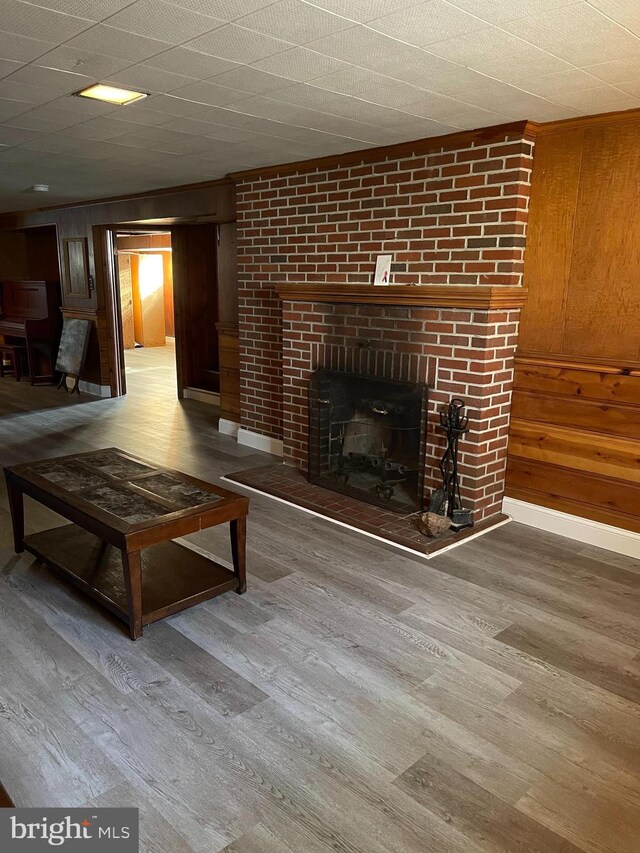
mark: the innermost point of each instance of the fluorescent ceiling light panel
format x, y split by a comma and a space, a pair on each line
111, 94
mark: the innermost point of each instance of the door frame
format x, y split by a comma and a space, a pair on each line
104, 237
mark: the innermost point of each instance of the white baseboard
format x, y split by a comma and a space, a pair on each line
95, 389
260, 442
228, 427
581, 529
212, 398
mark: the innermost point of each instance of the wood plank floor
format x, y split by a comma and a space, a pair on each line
354, 699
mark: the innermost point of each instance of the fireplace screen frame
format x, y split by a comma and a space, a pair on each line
393, 483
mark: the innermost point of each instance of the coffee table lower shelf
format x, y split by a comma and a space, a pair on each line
173, 577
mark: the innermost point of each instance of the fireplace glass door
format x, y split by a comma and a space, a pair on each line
366, 438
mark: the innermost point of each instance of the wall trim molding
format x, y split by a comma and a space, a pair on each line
260, 442
211, 398
572, 526
227, 427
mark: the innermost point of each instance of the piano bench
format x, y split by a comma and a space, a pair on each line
15, 354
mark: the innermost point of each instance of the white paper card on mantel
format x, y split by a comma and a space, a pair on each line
383, 270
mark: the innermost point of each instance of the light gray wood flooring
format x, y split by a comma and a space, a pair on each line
354, 699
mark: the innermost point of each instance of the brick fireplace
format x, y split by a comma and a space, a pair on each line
452, 211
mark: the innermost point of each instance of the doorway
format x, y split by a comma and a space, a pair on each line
147, 321
180, 286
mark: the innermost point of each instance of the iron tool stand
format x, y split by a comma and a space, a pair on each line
455, 424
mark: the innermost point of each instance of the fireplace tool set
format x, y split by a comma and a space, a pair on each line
446, 501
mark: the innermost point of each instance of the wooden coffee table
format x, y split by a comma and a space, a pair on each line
126, 511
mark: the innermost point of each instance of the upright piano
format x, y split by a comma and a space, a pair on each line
30, 314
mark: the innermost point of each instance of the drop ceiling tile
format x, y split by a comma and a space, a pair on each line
426, 23
20, 48
112, 42
23, 92
497, 11
8, 66
363, 10
146, 79
238, 44
592, 37
93, 10
52, 144
437, 107
631, 87
209, 93
300, 64
470, 117
599, 99
616, 71
137, 114
530, 62
85, 62
162, 21
190, 63
624, 12
99, 128
11, 154
171, 143
10, 108
294, 21
53, 81
43, 120
481, 46
228, 10
171, 105
246, 78
358, 45
352, 81
15, 135
35, 22
561, 83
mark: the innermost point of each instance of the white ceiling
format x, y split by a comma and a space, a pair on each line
241, 83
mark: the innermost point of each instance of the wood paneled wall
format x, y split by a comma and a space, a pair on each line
575, 434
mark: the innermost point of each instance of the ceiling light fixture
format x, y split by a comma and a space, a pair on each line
111, 94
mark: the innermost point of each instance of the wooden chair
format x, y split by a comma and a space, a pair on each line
15, 354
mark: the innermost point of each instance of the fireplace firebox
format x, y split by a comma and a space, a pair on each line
366, 438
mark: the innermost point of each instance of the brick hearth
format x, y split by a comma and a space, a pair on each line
452, 212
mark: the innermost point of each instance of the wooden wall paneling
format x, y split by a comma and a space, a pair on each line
13, 256
228, 335
43, 260
606, 383
227, 273
603, 299
196, 303
126, 299
606, 499
581, 450
77, 278
619, 419
554, 189
169, 321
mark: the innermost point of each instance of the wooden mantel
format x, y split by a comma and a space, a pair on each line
424, 296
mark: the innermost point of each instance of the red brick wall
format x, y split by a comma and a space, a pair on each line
455, 215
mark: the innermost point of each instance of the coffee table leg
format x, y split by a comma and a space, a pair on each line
239, 550
133, 584
16, 505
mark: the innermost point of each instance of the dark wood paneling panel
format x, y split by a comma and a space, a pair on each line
554, 189
577, 490
595, 382
575, 413
602, 315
